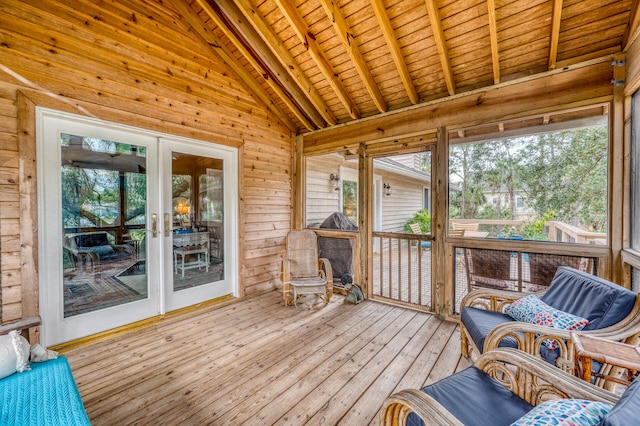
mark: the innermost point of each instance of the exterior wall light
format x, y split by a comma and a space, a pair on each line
387, 189
335, 181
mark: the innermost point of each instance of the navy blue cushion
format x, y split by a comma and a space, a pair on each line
602, 302
626, 410
92, 240
104, 251
479, 322
474, 398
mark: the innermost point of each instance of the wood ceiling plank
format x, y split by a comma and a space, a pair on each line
493, 32
576, 47
517, 8
585, 14
301, 30
514, 41
351, 45
510, 20
394, 48
285, 57
594, 31
459, 20
438, 34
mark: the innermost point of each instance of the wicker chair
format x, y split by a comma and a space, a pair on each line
543, 267
302, 272
415, 228
613, 312
474, 226
487, 268
502, 386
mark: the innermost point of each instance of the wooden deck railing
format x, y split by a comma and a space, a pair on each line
402, 270
563, 232
557, 231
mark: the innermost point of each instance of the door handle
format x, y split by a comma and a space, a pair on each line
167, 225
154, 226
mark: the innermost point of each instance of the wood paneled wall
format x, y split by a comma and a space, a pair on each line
133, 63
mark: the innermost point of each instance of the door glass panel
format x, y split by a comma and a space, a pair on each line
197, 207
104, 193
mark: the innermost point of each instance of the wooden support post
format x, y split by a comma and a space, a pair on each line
441, 303
365, 174
28, 209
298, 220
616, 177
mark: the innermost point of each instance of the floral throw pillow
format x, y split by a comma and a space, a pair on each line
565, 412
532, 310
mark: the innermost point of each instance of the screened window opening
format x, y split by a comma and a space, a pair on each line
331, 187
635, 172
547, 184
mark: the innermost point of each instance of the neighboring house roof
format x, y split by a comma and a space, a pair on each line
392, 166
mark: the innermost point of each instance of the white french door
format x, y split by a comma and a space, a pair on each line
132, 224
198, 184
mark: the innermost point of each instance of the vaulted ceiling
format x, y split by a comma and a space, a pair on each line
318, 63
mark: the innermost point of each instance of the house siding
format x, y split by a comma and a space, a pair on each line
322, 200
131, 63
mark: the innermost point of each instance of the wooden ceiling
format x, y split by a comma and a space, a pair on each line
318, 63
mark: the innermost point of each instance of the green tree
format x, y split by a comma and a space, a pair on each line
350, 199
566, 173
467, 166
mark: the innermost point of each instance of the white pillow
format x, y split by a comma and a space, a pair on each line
14, 354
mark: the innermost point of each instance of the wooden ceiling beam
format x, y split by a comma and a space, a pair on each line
562, 89
257, 46
219, 19
556, 19
193, 24
398, 59
493, 33
542, 127
353, 50
438, 34
282, 54
290, 13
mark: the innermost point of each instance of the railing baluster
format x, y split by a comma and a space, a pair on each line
381, 263
390, 269
419, 252
399, 264
409, 273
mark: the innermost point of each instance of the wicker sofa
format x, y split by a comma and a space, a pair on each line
88, 249
612, 311
504, 386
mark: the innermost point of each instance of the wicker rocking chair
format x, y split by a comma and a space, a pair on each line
302, 273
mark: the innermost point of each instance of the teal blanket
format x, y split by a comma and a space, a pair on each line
46, 395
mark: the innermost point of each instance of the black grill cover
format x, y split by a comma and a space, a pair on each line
339, 251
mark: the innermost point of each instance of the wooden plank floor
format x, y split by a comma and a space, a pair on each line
258, 362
